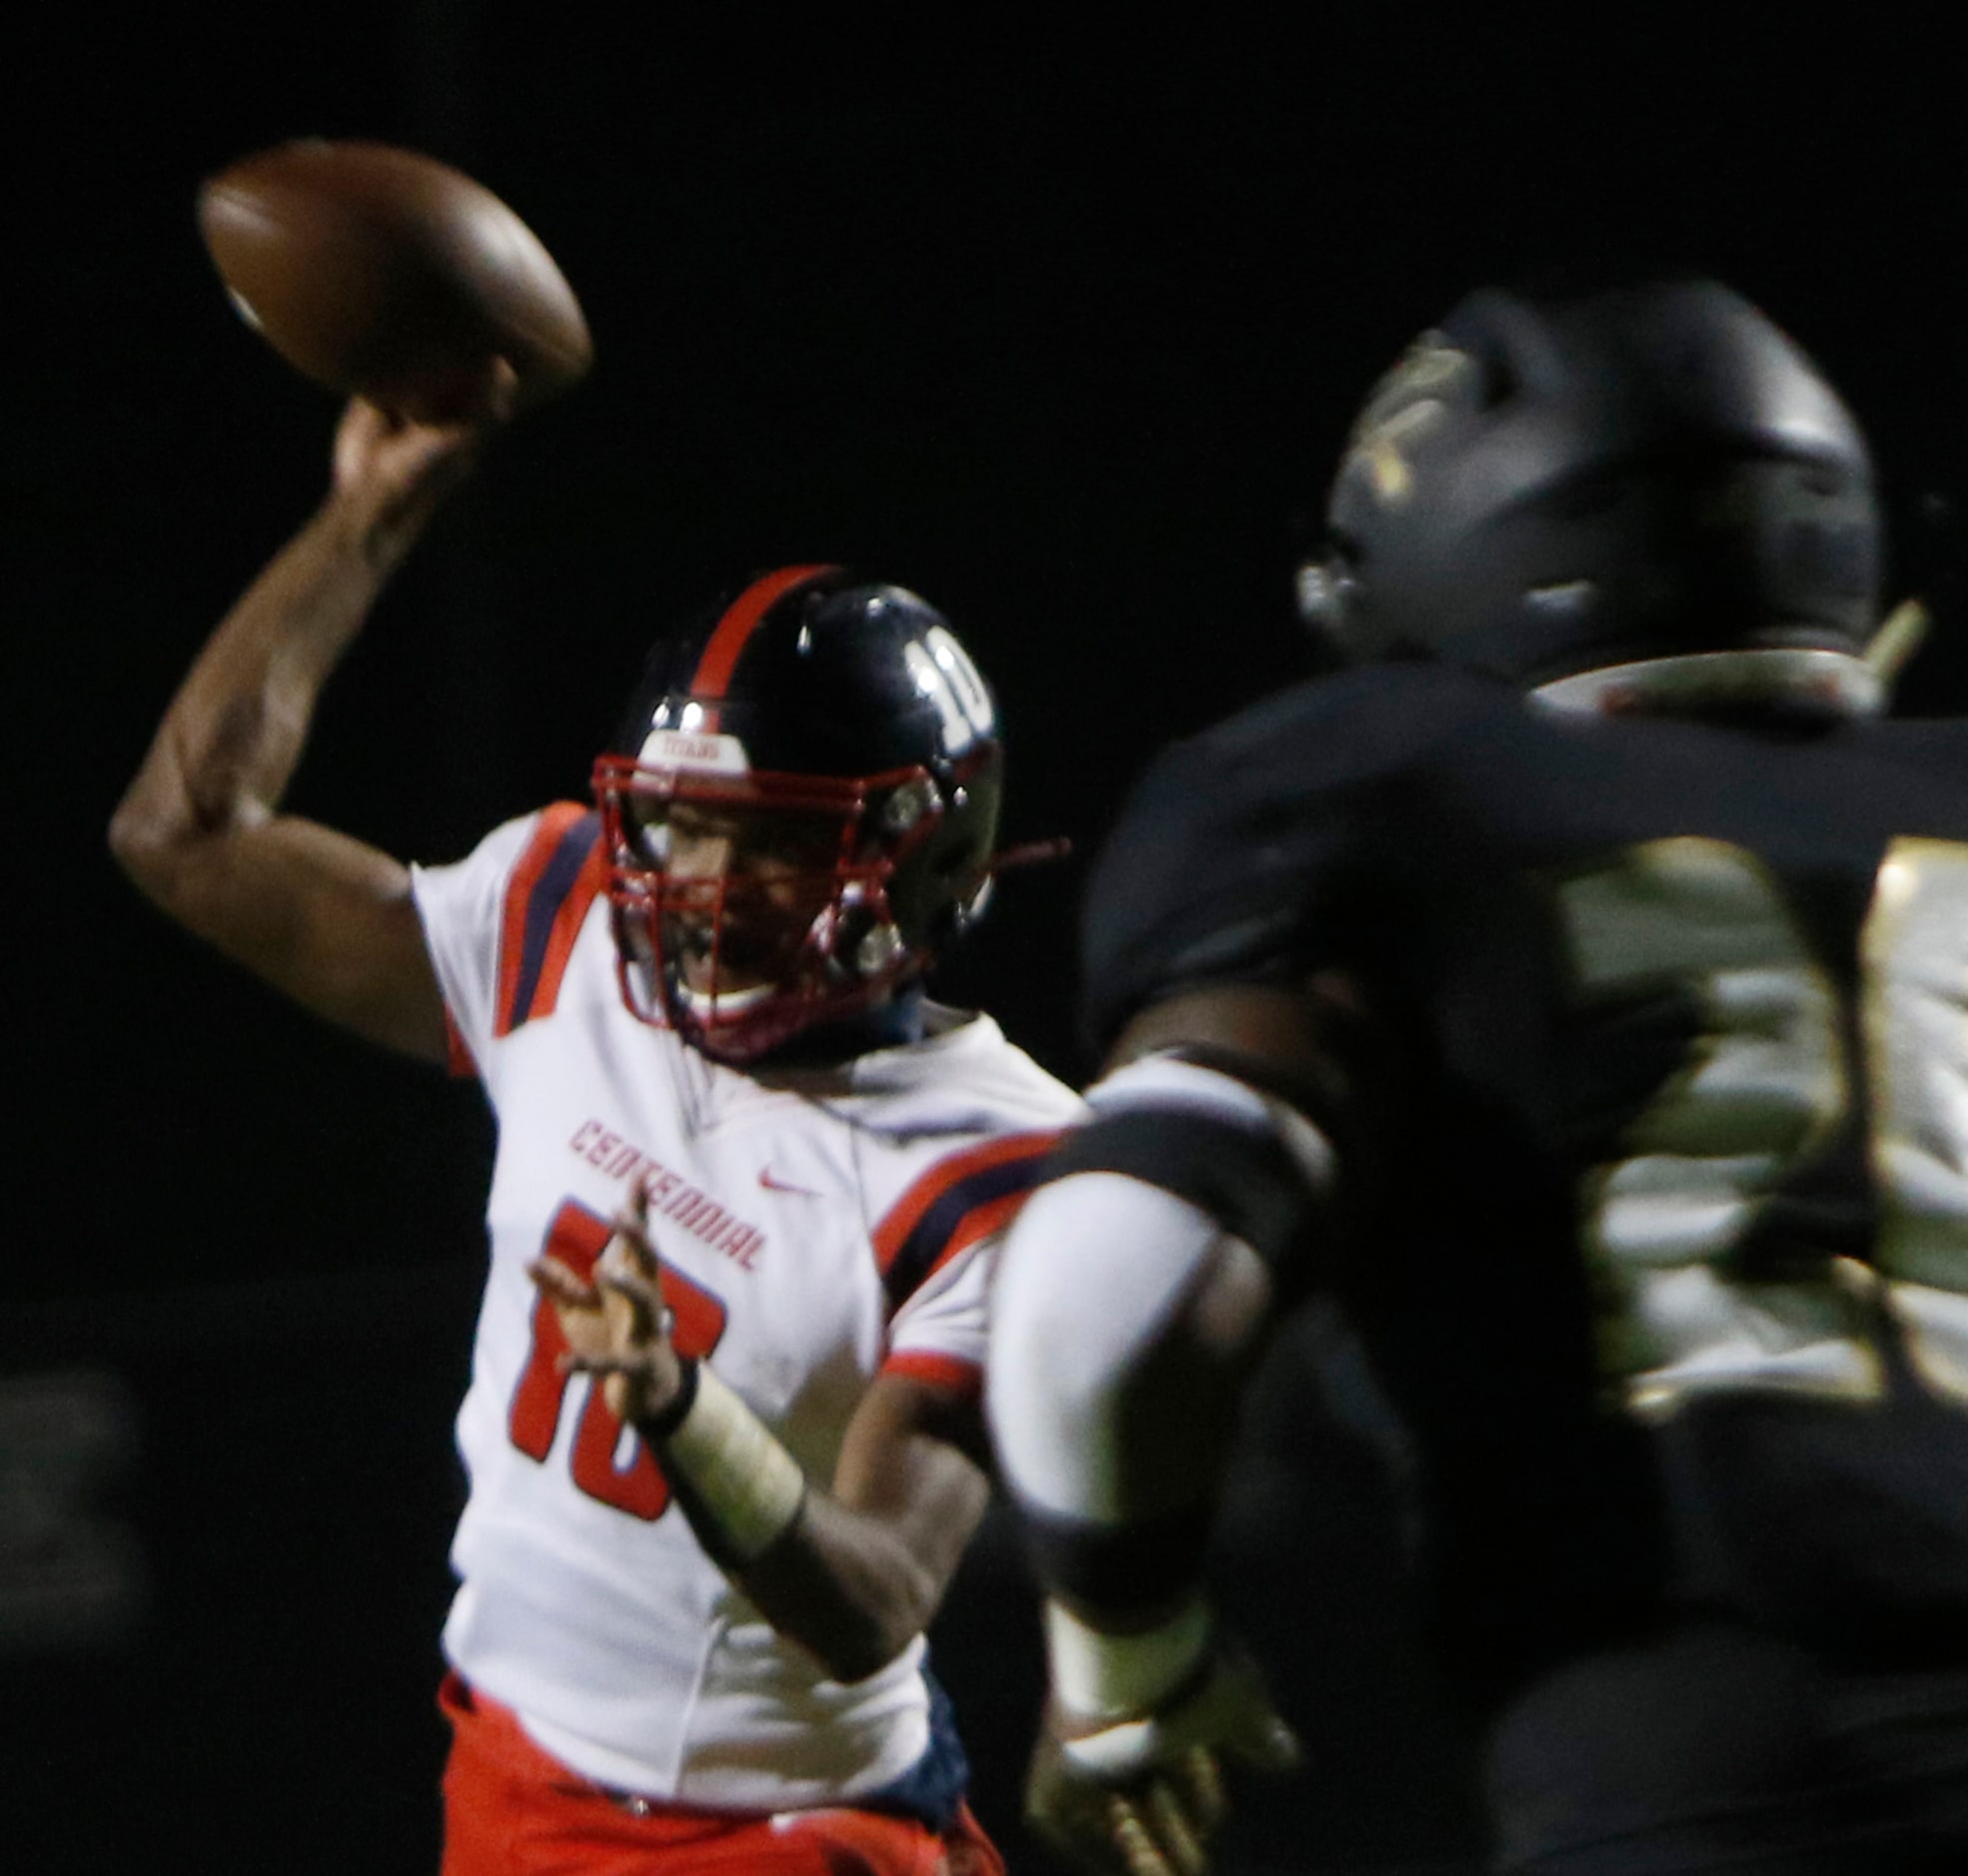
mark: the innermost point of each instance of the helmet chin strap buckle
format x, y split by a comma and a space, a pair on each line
908, 805
880, 949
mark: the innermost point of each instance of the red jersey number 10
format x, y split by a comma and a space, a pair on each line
578, 1236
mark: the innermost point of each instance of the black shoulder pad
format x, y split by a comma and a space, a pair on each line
1243, 1177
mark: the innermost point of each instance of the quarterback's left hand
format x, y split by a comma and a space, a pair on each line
617, 1324
1141, 1795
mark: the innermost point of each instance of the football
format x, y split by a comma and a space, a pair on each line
382, 272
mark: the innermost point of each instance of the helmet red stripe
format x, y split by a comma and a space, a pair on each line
741, 620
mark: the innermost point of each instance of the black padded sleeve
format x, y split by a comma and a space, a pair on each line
1243, 1177
1119, 1568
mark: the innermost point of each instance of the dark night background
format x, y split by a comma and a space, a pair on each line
1063, 343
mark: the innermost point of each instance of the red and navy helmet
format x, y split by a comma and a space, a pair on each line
838, 740
1566, 477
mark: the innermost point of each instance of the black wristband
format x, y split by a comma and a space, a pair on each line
659, 1426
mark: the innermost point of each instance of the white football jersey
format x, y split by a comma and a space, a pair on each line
817, 1228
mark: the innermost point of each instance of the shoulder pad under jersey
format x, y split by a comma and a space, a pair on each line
1233, 855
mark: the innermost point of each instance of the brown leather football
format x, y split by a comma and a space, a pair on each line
382, 272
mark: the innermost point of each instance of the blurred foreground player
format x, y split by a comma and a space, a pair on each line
1579, 989
748, 1189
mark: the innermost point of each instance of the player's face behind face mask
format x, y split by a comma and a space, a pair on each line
742, 890
750, 908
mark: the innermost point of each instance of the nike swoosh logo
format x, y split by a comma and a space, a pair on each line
770, 1184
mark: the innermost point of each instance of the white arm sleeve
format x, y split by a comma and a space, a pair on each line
1095, 1266
1092, 1270
461, 906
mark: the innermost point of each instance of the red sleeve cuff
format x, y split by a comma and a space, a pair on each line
951, 1373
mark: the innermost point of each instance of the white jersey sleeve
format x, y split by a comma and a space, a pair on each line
937, 1240
491, 922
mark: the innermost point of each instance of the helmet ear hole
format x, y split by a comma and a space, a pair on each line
1499, 383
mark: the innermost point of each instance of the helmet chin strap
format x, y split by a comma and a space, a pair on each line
1899, 636
894, 1020
881, 1012
1840, 682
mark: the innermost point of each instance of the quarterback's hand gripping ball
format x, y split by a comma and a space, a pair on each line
395, 471
617, 1324
1142, 1794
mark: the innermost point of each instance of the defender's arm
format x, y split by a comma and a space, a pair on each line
1137, 1291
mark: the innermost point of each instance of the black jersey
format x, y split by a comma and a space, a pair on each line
1667, 1263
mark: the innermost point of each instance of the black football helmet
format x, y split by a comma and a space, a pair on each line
1561, 480
836, 743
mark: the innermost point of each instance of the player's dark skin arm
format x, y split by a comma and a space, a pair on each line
326, 918
863, 1566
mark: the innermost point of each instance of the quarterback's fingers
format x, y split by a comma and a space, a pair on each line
495, 396
637, 1366
636, 1387
556, 1281
631, 1247
633, 1220
642, 1292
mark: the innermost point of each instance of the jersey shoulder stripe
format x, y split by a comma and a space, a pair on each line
459, 1059
958, 1201
558, 877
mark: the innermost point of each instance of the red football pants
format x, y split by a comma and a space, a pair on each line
513, 1810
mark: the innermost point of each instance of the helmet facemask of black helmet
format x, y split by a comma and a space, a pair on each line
799, 812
